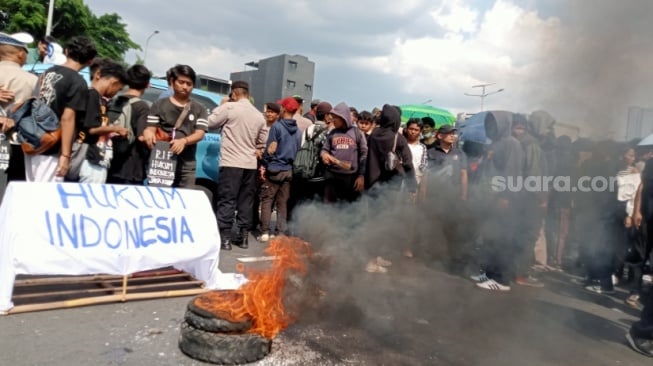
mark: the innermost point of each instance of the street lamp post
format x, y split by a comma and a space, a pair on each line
48, 27
147, 43
483, 93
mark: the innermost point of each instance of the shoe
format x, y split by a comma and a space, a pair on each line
243, 239
264, 237
529, 281
641, 345
615, 280
598, 290
408, 253
383, 262
372, 267
481, 277
632, 301
225, 241
493, 285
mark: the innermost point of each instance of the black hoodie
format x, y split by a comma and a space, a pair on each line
380, 143
505, 155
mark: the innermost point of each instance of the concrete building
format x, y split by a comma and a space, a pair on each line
280, 76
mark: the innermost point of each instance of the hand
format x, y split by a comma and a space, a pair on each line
64, 164
328, 159
359, 184
178, 145
7, 123
259, 154
122, 131
262, 174
628, 222
6, 96
148, 138
637, 219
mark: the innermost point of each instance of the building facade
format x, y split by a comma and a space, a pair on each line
277, 77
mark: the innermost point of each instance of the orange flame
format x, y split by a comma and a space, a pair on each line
261, 298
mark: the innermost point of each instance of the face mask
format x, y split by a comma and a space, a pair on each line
427, 135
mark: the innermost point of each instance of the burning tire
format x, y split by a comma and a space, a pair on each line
200, 314
210, 323
225, 349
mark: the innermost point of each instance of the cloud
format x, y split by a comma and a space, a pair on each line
581, 63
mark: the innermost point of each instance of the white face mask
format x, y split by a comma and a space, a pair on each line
427, 135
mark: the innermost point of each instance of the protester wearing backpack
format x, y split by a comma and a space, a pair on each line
130, 155
94, 135
281, 148
308, 169
385, 145
345, 155
66, 93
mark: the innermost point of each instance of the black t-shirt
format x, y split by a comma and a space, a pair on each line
164, 114
96, 112
61, 88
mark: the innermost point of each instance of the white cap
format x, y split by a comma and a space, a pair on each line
55, 54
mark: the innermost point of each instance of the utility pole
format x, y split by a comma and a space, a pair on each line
48, 27
483, 93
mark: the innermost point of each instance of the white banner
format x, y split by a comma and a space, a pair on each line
76, 229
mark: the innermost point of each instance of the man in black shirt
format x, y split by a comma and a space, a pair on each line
107, 78
65, 91
447, 163
129, 154
164, 114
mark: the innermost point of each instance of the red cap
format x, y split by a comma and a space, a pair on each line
289, 104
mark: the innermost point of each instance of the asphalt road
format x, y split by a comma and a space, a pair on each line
413, 315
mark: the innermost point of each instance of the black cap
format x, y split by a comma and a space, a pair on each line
273, 107
239, 85
447, 129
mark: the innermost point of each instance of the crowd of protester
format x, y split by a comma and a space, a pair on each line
347, 155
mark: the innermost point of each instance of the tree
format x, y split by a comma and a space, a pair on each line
71, 18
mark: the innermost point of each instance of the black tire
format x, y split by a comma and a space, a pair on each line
208, 321
224, 349
214, 324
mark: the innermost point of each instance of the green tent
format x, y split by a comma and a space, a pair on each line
440, 116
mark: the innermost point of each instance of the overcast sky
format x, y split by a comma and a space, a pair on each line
585, 61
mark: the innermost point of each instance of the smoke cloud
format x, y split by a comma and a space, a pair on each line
598, 65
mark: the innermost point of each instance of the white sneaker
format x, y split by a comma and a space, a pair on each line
383, 262
615, 280
372, 267
264, 237
493, 285
481, 277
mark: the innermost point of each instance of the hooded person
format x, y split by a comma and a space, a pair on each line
382, 141
283, 142
532, 203
504, 162
344, 152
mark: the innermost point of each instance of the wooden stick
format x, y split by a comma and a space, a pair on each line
256, 259
110, 289
90, 279
101, 300
115, 290
124, 287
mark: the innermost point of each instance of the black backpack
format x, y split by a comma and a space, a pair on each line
307, 161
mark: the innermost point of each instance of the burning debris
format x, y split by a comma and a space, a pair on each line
234, 327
